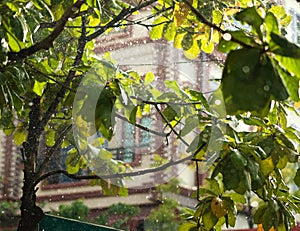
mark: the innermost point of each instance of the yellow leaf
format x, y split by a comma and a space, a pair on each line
93, 21
207, 46
149, 78
38, 87
178, 40
267, 166
20, 136
297, 105
193, 52
139, 112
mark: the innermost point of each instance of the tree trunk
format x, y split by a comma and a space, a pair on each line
30, 213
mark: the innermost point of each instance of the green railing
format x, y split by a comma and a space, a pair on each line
55, 223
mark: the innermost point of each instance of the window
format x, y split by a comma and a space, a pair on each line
133, 141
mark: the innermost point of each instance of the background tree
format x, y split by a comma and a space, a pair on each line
167, 215
47, 48
77, 210
118, 216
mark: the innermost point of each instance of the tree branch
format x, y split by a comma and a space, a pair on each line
162, 134
212, 25
47, 42
81, 45
47, 76
53, 150
124, 12
112, 176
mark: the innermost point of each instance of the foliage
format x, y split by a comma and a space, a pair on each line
165, 217
77, 210
8, 208
47, 50
119, 213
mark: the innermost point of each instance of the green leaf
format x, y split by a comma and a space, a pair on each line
188, 226
190, 123
200, 140
238, 160
17, 27
50, 138
198, 96
231, 210
157, 30
105, 112
254, 121
231, 176
271, 25
209, 220
297, 178
250, 16
290, 64
170, 113
105, 155
281, 46
173, 85
194, 51
267, 166
290, 82
226, 46
170, 31
187, 41
149, 77
73, 162
245, 71
240, 35
278, 11
38, 87
20, 136
132, 117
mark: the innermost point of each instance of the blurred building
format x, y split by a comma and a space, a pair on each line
133, 50
10, 165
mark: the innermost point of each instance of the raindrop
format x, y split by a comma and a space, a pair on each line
30, 104
266, 87
246, 69
218, 102
227, 36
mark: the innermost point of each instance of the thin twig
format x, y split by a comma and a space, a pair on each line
124, 12
112, 176
170, 126
202, 19
47, 42
53, 150
162, 134
81, 45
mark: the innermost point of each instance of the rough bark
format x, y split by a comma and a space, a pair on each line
30, 213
